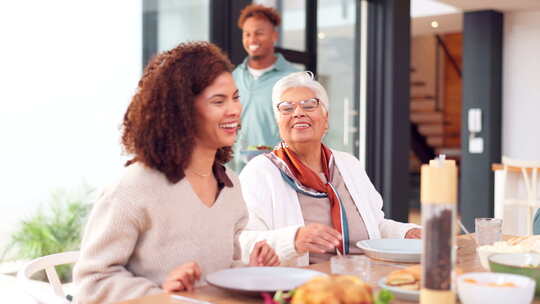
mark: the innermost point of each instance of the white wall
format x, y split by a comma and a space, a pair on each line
521, 85
68, 70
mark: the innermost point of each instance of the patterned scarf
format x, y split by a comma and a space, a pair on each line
306, 181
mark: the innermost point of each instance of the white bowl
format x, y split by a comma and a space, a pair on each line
473, 293
484, 252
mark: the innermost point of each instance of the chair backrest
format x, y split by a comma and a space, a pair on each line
529, 173
47, 263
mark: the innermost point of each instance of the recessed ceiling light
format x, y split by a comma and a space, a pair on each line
434, 24
321, 35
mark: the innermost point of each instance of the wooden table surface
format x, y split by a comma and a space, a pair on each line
467, 261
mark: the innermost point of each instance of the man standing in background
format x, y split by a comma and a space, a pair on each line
255, 77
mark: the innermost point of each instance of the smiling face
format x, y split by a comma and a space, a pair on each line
300, 126
218, 111
259, 37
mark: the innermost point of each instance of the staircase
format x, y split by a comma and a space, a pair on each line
435, 113
430, 124
428, 120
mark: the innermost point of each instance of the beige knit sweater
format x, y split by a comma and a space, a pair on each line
143, 227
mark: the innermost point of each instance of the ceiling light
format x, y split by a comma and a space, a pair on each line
434, 24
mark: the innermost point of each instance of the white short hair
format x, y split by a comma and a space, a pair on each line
298, 80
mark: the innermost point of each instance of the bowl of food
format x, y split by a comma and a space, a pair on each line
484, 252
526, 264
495, 288
345, 289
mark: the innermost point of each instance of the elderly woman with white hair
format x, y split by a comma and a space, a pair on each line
307, 200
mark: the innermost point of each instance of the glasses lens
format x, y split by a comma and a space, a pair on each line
285, 107
310, 104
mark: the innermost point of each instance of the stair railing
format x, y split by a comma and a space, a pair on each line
440, 44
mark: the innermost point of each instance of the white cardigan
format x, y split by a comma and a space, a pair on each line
275, 214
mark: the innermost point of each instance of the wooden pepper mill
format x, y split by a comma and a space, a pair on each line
438, 196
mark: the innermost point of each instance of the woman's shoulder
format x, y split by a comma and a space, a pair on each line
138, 184
140, 175
342, 156
259, 165
350, 166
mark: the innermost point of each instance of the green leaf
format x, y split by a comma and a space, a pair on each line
283, 297
56, 228
384, 296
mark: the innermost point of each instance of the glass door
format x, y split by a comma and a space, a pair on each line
330, 49
337, 55
298, 31
166, 23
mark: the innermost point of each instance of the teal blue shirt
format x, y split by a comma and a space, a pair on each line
259, 126
536, 223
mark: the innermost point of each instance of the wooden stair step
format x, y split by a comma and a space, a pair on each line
435, 141
427, 96
418, 83
452, 141
426, 117
431, 129
449, 152
422, 105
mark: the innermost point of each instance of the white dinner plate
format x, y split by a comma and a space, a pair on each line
393, 250
261, 279
402, 294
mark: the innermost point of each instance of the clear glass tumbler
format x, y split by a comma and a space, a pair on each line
357, 265
487, 230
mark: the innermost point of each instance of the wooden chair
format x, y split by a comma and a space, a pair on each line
55, 294
517, 203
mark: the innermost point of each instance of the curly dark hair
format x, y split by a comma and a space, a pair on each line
259, 11
159, 125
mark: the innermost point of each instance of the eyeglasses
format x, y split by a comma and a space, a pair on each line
288, 107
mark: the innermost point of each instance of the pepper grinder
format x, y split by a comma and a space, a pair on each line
438, 197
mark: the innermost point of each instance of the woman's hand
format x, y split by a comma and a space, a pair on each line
317, 238
182, 277
414, 233
263, 255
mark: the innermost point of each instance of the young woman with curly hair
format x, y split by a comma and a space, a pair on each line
177, 212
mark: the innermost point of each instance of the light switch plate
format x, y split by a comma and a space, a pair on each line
476, 145
475, 120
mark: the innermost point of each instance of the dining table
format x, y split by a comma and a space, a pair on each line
467, 260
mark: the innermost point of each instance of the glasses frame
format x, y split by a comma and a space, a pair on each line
299, 103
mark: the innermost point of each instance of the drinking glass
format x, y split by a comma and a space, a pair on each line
488, 230
357, 265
